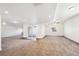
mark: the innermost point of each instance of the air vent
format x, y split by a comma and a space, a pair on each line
70, 8
37, 4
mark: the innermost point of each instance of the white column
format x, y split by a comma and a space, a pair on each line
41, 31
25, 30
0, 32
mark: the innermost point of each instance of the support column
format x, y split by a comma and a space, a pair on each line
25, 30
0, 32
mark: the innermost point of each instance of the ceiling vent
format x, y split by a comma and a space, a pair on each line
37, 4
70, 8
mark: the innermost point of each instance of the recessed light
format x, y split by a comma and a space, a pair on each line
49, 16
3, 23
15, 21
6, 12
70, 8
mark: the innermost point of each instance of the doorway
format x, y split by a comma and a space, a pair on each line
32, 32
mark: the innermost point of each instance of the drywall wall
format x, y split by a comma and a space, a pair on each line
36, 29
41, 31
45, 29
71, 28
58, 27
7, 31
25, 30
0, 32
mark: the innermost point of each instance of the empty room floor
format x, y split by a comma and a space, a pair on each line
48, 46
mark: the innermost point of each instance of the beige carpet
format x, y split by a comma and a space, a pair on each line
49, 46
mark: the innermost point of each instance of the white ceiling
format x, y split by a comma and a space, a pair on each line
66, 10
31, 13
27, 13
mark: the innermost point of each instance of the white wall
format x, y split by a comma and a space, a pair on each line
40, 30
0, 32
25, 30
71, 28
7, 31
59, 28
45, 29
